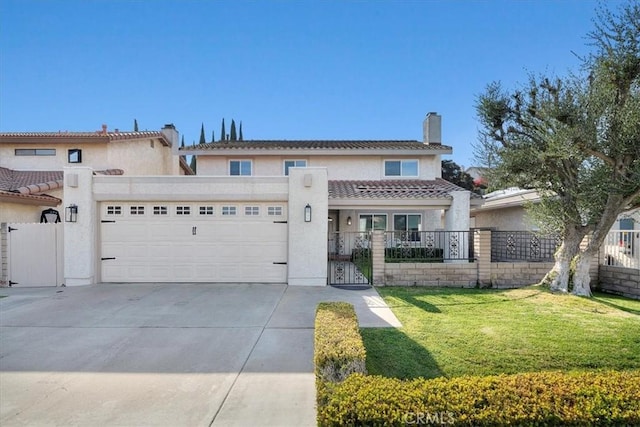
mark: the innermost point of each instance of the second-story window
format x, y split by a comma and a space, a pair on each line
293, 164
35, 152
240, 168
407, 168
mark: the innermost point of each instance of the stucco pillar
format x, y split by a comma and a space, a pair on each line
456, 219
307, 261
80, 238
482, 251
377, 257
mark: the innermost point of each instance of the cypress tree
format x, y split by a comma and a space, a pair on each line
234, 136
182, 144
202, 140
213, 136
135, 125
241, 138
193, 163
223, 131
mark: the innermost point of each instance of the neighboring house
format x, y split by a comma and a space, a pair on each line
31, 164
504, 210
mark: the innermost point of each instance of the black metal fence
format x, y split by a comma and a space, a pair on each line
522, 246
428, 246
350, 258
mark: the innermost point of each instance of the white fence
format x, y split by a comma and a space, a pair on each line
621, 249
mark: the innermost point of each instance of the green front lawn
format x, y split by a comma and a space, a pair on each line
453, 332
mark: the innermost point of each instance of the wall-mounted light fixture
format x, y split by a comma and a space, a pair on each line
348, 220
307, 213
71, 213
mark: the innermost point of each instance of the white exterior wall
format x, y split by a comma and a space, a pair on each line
357, 167
507, 219
135, 157
80, 238
307, 260
16, 212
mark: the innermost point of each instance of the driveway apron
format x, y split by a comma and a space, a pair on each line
165, 354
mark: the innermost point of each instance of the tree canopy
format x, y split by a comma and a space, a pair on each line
574, 139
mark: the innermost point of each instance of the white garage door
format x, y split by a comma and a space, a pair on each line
193, 242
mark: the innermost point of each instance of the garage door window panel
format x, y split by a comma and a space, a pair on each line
183, 210
228, 210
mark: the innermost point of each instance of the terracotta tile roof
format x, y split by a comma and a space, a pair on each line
32, 199
75, 137
17, 181
28, 186
317, 145
393, 189
109, 172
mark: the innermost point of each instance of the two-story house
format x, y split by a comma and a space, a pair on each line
381, 185
258, 211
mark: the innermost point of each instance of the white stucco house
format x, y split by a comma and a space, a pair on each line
257, 211
32, 163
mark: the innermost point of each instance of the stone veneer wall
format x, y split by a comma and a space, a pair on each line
619, 280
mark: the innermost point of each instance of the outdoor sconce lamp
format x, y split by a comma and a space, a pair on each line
307, 213
71, 213
349, 220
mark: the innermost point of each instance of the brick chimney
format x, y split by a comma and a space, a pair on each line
432, 129
104, 129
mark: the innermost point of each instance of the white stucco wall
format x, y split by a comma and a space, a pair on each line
135, 157
507, 219
307, 260
357, 167
81, 237
15, 212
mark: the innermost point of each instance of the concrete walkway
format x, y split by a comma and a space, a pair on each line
165, 354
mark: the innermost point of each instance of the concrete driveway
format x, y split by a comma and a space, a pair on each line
165, 354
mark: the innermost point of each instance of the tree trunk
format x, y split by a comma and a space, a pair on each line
558, 277
582, 278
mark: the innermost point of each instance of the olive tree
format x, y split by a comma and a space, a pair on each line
576, 140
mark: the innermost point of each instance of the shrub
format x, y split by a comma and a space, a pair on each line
546, 398
414, 254
339, 350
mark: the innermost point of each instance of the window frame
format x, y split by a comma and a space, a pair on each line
412, 235
240, 168
295, 165
34, 152
402, 163
74, 151
373, 225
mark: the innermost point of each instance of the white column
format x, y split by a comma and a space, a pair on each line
456, 218
307, 261
80, 238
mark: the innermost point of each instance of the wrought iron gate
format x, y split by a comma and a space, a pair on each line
350, 260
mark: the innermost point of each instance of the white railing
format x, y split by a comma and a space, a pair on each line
621, 249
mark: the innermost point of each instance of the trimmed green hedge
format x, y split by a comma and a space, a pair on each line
535, 399
346, 396
339, 350
414, 254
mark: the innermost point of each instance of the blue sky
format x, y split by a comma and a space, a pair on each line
286, 69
